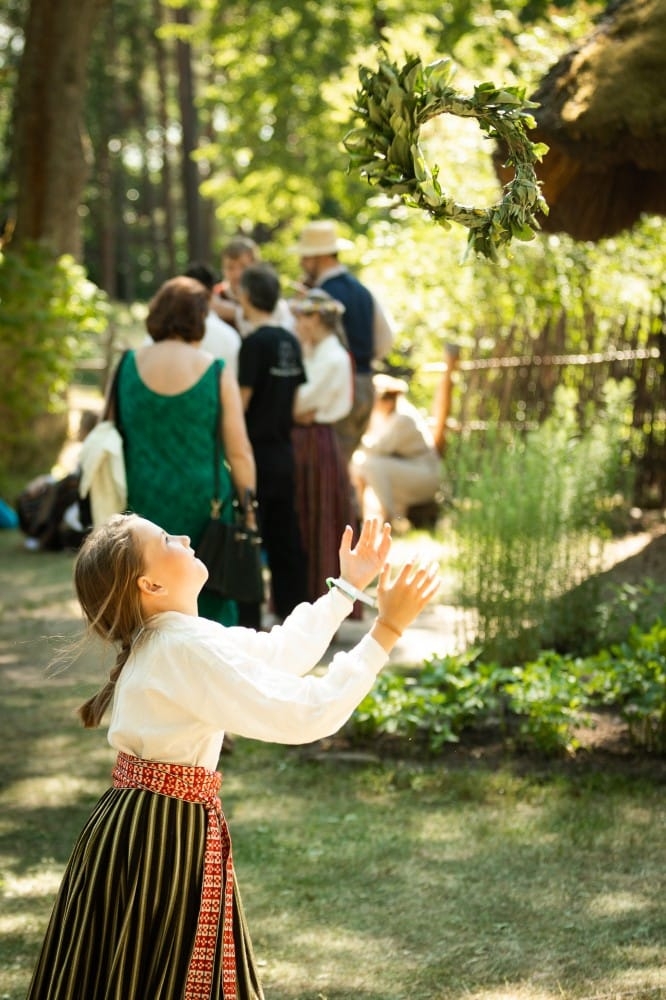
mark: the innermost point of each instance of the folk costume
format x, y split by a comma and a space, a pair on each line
149, 904
323, 487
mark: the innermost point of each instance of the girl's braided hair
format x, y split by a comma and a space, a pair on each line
106, 571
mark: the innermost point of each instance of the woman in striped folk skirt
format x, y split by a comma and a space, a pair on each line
149, 908
324, 494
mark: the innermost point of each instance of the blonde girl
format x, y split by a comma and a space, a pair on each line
149, 904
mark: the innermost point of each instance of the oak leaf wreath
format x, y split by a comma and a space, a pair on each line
394, 103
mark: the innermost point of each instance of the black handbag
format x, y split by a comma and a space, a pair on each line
232, 555
231, 552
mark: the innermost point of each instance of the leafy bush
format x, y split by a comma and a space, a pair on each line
528, 520
48, 307
632, 676
548, 702
537, 706
434, 706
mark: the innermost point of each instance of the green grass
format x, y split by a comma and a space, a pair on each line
448, 880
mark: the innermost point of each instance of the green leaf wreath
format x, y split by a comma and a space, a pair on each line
395, 103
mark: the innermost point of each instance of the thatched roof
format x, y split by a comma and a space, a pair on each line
603, 114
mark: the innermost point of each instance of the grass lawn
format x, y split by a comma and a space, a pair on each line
399, 880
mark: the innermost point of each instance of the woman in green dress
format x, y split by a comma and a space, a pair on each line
168, 395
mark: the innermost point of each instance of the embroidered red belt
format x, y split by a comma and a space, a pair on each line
197, 784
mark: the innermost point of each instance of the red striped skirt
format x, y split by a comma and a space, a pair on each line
148, 905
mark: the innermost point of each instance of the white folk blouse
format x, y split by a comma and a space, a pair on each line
189, 679
329, 387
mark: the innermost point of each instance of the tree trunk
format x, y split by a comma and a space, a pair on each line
168, 238
190, 126
50, 163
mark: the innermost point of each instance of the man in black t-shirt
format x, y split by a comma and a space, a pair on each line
270, 369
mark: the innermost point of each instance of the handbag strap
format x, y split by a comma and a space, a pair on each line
241, 507
111, 409
216, 502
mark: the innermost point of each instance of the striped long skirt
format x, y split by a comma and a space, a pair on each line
323, 502
124, 921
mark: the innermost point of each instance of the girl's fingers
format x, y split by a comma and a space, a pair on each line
411, 574
345, 542
384, 544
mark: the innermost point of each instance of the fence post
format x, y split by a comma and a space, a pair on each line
442, 403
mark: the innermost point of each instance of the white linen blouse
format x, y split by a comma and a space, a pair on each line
188, 679
329, 387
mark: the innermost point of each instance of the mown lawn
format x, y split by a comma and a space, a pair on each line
398, 880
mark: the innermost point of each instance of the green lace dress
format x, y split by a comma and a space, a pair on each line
169, 461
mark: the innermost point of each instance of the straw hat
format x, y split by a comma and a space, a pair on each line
319, 239
388, 385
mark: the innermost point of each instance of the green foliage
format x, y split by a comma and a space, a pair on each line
436, 705
48, 308
632, 675
395, 103
528, 521
547, 700
539, 705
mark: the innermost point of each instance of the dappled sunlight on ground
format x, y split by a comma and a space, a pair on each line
58, 790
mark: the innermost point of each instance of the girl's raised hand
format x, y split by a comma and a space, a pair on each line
401, 600
361, 564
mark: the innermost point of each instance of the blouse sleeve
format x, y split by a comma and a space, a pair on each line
231, 688
299, 643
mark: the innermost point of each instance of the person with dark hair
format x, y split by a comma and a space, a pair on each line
240, 252
270, 370
169, 393
149, 905
220, 339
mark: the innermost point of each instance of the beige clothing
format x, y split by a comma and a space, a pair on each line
398, 460
102, 465
329, 387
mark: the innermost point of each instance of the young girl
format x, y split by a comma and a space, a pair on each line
149, 907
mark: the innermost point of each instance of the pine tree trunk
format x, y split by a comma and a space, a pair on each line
50, 162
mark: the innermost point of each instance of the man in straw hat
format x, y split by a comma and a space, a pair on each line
369, 333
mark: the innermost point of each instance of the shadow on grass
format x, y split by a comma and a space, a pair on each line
394, 880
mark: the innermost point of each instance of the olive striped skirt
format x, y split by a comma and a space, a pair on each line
124, 922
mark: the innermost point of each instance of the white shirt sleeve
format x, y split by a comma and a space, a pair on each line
245, 696
189, 679
299, 643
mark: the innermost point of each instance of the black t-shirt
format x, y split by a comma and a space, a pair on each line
270, 363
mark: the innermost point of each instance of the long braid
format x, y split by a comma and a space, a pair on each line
105, 576
91, 711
